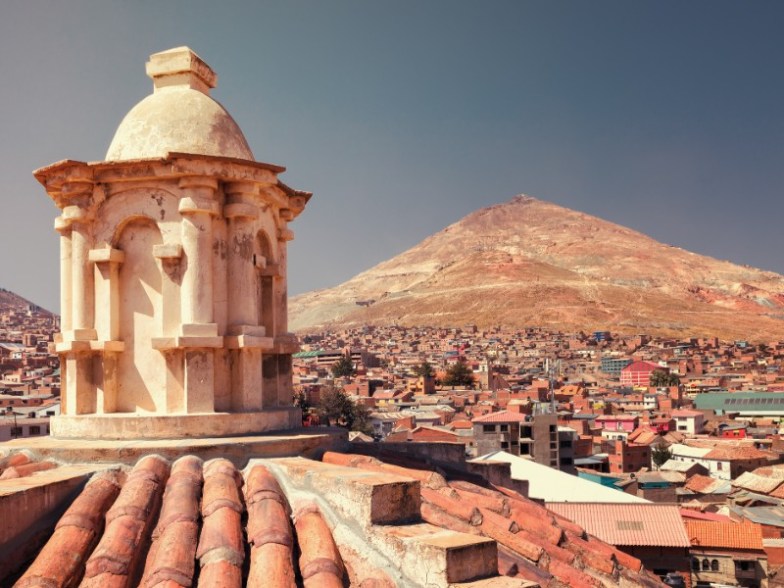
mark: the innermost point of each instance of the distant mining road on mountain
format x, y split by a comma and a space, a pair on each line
532, 263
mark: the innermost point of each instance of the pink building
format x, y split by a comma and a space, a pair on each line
638, 373
618, 422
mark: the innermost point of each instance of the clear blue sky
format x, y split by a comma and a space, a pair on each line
403, 116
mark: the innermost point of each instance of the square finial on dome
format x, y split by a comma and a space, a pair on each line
181, 67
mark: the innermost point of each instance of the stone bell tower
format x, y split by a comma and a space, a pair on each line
173, 273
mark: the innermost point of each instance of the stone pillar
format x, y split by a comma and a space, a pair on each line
107, 263
82, 283
197, 207
244, 310
107, 294
281, 294
64, 228
241, 211
286, 343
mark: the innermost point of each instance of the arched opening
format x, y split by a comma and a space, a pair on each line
705, 565
714, 565
141, 368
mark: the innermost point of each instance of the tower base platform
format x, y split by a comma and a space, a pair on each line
307, 442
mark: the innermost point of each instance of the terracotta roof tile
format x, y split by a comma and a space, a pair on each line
198, 521
171, 557
736, 453
118, 555
15, 459
26, 469
61, 561
744, 535
320, 563
269, 530
221, 549
503, 416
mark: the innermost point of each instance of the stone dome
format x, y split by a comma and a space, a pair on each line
179, 116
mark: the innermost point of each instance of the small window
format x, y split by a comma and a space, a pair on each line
705, 565
695, 564
488, 428
16, 431
35, 430
715, 565
504, 428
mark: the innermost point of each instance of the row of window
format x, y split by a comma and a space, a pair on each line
33, 430
713, 565
707, 566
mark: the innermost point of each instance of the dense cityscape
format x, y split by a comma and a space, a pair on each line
691, 424
419, 374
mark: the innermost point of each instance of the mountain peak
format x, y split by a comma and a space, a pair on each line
528, 262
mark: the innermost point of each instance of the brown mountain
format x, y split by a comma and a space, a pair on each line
12, 301
533, 263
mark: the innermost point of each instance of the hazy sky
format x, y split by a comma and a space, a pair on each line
403, 116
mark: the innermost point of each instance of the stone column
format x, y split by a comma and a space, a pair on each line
82, 280
64, 228
241, 211
197, 207
107, 293
77, 353
282, 297
244, 310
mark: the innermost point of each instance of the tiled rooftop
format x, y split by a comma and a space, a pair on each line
655, 525
348, 520
724, 535
504, 416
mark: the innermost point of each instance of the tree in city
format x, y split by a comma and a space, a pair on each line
663, 379
343, 368
424, 370
301, 401
459, 374
338, 410
660, 455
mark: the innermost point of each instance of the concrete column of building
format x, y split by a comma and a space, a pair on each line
241, 211
281, 292
107, 326
79, 388
82, 279
286, 343
107, 290
64, 228
197, 208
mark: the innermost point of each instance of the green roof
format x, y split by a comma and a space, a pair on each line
740, 401
306, 354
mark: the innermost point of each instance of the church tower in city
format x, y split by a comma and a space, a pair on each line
173, 273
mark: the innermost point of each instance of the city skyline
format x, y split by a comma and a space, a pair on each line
404, 117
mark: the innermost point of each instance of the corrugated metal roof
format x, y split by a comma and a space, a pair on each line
658, 525
707, 485
766, 515
757, 483
681, 450
552, 485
